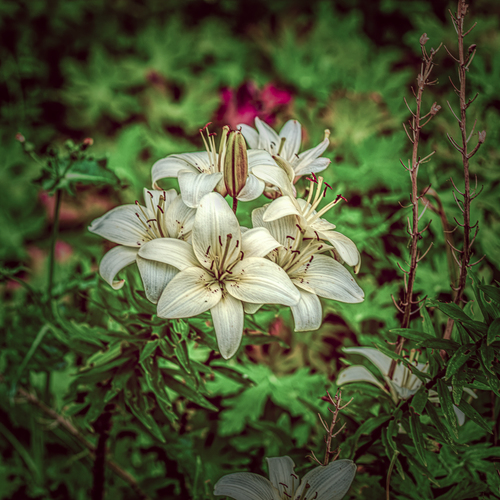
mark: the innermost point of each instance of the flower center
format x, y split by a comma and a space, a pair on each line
215, 159
153, 221
290, 494
314, 199
224, 260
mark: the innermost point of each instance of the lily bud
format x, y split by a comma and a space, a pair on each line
236, 163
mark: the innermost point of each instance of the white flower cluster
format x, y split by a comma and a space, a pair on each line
193, 255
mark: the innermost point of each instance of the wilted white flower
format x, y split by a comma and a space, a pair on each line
403, 384
132, 226
287, 145
312, 224
219, 271
311, 272
202, 172
329, 482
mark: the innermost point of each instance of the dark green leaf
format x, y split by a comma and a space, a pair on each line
187, 392
445, 345
418, 437
461, 355
427, 323
436, 420
447, 406
492, 292
487, 355
493, 331
419, 400
415, 335
148, 349
471, 413
458, 382
451, 310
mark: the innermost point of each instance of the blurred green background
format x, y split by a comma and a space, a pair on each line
140, 79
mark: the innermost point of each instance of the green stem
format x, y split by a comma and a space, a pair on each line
53, 238
235, 205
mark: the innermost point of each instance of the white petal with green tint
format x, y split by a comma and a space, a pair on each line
113, 262
268, 138
258, 242
155, 277
344, 246
325, 277
380, 360
281, 207
172, 251
253, 189
259, 280
179, 218
246, 486
308, 313
259, 158
292, 132
121, 225
195, 185
273, 175
170, 167
281, 229
308, 157
281, 473
251, 308
191, 292
227, 316
152, 198
357, 373
331, 482
216, 231
317, 165
250, 135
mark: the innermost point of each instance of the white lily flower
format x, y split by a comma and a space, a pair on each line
219, 271
132, 226
330, 482
312, 273
287, 145
311, 222
202, 172
404, 383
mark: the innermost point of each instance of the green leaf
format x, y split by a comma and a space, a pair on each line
470, 412
368, 426
415, 335
187, 392
458, 382
148, 349
427, 323
487, 356
445, 345
461, 355
181, 352
447, 406
479, 297
492, 292
180, 327
450, 309
441, 428
418, 437
493, 331
139, 407
259, 339
419, 400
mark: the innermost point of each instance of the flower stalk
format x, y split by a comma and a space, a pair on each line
407, 306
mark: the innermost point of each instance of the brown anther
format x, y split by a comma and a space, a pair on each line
151, 194
161, 209
220, 240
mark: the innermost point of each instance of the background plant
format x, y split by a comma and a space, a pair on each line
141, 81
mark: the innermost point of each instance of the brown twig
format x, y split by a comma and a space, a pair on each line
336, 402
69, 427
416, 124
464, 60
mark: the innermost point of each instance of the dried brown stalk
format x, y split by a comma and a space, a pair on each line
464, 60
336, 402
407, 306
69, 427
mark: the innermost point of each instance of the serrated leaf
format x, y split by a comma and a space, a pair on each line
461, 355
180, 327
419, 400
368, 426
447, 406
442, 429
148, 349
493, 331
138, 407
418, 437
235, 375
470, 412
181, 352
487, 355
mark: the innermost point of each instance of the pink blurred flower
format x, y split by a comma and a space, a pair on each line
63, 251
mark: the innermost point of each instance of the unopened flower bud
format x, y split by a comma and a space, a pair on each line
20, 138
435, 108
424, 39
235, 163
88, 141
472, 48
482, 136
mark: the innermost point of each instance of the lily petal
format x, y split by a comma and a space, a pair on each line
308, 313
357, 373
325, 277
216, 231
172, 251
179, 218
259, 158
113, 262
189, 293
317, 165
155, 277
194, 186
250, 134
259, 281
307, 157
152, 198
281, 473
170, 167
227, 316
274, 175
251, 308
343, 245
292, 131
268, 138
380, 360
252, 189
281, 207
121, 225
258, 242
246, 486
280, 229
331, 482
